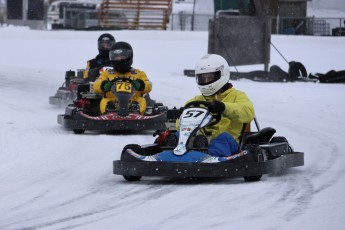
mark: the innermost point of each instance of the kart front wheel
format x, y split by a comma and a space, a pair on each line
135, 148
132, 178
79, 131
259, 155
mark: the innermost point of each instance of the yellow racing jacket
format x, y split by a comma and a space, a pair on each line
238, 110
133, 74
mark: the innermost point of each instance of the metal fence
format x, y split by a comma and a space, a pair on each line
187, 21
309, 26
280, 25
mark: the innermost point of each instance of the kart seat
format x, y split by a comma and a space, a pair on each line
261, 137
82, 88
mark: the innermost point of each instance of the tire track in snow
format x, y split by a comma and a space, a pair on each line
126, 201
326, 155
299, 188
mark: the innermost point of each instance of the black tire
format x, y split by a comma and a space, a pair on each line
132, 178
259, 155
281, 140
79, 131
135, 148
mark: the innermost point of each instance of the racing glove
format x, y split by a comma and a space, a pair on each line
106, 86
216, 107
138, 84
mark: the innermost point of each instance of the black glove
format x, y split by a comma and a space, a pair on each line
138, 84
216, 107
106, 86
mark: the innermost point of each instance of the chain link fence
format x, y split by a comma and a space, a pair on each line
187, 21
283, 25
309, 26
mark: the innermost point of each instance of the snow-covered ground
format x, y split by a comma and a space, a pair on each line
338, 5
51, 178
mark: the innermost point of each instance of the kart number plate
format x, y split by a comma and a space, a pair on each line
125, 87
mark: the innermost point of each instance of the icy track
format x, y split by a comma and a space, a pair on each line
51, 178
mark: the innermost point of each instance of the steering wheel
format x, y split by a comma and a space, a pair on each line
215, 116
122, 79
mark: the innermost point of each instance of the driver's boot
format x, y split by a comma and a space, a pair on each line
134, 107
200, 143
110, 107
142, 104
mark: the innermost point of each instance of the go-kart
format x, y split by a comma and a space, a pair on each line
66, 93
84, 113
259, 152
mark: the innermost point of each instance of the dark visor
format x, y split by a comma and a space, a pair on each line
105, 45
121, 54
207, 78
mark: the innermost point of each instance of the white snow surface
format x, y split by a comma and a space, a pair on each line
51, 178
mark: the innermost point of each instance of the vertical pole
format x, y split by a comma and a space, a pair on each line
25, 12
277, 24
193, 15
267, 41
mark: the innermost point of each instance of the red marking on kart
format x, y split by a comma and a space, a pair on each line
72, 86
115, 116
240, 154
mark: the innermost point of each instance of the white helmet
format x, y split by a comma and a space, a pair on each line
212, 73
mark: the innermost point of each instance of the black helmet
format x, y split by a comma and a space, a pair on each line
105, 41
121, 56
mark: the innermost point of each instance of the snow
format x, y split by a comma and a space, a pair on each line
51, 178
329, 4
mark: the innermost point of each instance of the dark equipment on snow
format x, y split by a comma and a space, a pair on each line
296, 72
331, 76
339, 31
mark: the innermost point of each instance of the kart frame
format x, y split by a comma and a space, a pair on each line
280, 156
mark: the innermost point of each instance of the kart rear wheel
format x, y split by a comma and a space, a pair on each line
259, 155
280, 140
79, 131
